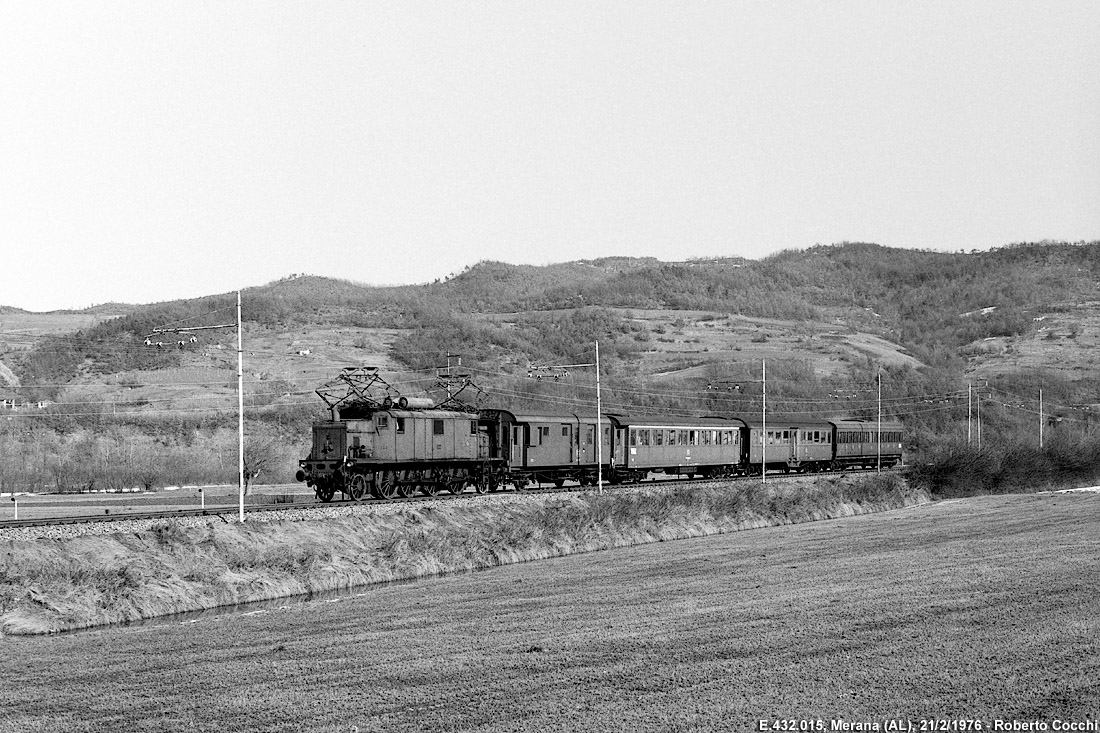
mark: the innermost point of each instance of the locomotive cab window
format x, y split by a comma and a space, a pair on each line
383, 422
399, 424
437, 427
473, 427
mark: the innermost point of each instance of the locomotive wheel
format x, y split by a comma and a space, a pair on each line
429, 488
357, 487
387, 485
559, 482
325, 492
457, 486
406, 483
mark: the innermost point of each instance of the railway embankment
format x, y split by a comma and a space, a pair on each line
49, 585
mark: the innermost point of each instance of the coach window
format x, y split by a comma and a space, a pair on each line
693, 437
437, 427
671, 437
658, 437
683, 437
383, 422
643, 437
633, 437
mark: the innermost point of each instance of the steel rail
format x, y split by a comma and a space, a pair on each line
228, 510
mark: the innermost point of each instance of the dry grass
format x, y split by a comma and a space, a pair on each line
47, 586
980, 608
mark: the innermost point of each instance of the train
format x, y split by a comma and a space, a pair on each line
388, 449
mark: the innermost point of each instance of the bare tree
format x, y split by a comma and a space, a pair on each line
259, 454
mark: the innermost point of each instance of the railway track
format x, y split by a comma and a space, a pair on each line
229, 514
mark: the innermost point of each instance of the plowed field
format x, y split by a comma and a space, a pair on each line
982, 609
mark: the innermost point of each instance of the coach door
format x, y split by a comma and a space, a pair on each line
519, 445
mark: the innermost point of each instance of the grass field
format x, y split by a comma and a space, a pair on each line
979, 608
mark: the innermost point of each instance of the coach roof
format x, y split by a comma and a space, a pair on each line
665, 421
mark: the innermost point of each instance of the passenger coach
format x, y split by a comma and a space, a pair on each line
858, 444
796, 445
707, 446
544, 448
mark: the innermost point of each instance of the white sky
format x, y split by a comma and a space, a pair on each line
152, 150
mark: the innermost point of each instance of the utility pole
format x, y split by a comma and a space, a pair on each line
599, 426
1041, 419
763, 419
969, 411
879, 455
240, 389
599, 409
240, 408
979, 406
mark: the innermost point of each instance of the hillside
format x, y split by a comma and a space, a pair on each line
677, 336
975, 314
